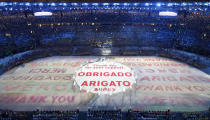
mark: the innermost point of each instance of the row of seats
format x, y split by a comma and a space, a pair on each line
103, 115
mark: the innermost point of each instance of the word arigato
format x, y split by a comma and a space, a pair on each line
117, 74
106, 83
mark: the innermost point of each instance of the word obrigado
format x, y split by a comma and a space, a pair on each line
117, 74
106, 74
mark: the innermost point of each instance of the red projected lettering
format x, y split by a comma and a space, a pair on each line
116, 74
106, 83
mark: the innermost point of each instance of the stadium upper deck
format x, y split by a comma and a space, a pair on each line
103, 0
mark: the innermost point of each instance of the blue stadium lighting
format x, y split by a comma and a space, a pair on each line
158, 4
20, 3
135, 4
2, 4
176, 4
27, 4
183, 4
116, 4
64, 4
189, 4
52, 4
126, 4
9, 3
105, 3
35, 4
95, 4
170, 4
146, 4
74, 4
85, 4
40, 4
206, 4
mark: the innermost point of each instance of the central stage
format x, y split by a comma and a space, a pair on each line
69, 82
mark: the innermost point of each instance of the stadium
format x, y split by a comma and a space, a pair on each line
104, 60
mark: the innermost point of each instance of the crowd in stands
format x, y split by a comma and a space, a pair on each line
19, 34
10, 62
39, 115
102, 115
21, 58
163, 115
196, 115
22, 33
56, 115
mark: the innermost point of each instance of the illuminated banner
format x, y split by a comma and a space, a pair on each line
105, 77
143, 83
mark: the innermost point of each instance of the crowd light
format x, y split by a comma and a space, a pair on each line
206, 4
135, 4
158, 4
146, 4
9, 3
2, 4
105, 3
43, 14
190, 4
183, 4
167, 13
40, 4
116, 4
170, 4
27, 4
52, 4
95, 4
74, 4
64, 4
126, 4
85, 4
